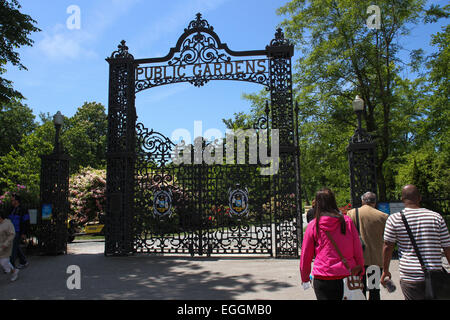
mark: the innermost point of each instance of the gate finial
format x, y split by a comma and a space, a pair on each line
122, 52
199, 23
279, 39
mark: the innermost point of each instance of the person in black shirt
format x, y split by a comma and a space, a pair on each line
310, 214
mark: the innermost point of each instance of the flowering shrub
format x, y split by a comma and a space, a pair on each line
217, 212
287, 203
87, 194
29, 198
345, 209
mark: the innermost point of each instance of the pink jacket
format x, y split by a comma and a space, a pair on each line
327, 263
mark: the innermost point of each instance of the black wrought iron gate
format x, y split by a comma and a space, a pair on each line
156, 205
189, 208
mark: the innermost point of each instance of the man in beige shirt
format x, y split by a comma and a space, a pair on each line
371, 228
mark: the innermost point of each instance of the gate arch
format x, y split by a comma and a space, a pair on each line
155, 206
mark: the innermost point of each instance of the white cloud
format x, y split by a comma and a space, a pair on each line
63, 43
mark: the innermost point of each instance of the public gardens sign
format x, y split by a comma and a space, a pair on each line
168, 73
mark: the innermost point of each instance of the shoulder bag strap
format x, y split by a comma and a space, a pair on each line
411, 237
357, 221
337, 250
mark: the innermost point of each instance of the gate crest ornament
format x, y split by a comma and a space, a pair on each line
162, 203
238, 200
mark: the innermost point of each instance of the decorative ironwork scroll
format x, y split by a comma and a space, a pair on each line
199, 57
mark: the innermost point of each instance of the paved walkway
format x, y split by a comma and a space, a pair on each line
162, 277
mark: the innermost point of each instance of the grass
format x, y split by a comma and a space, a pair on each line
89, 237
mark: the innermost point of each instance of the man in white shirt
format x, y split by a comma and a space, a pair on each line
431, 234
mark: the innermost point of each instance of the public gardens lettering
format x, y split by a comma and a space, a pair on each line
202, 70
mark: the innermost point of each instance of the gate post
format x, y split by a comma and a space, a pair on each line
361, 158
286, 182
120, 155
54, 195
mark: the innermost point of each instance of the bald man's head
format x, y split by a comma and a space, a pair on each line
411, 194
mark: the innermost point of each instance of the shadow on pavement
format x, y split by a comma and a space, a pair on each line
135, 277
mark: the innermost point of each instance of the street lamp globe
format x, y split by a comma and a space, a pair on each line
358, 104
58, 119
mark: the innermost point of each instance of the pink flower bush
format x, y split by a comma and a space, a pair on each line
29, 199
87, 194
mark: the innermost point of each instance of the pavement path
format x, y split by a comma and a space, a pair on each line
162, 277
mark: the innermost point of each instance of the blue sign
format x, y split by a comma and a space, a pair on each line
384, 207
46, 211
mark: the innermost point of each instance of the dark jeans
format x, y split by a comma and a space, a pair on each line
328, 289
374, 294
413, 290
17, 252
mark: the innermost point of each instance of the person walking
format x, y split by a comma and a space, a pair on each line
7, 234
329, 270
431, 235
21, 221
310, 213
370, 224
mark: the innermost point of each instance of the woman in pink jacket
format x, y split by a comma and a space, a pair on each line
329, 270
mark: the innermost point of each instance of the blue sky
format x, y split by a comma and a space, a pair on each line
68, 67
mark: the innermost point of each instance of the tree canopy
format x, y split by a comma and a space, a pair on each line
83, 137
340, 57
15, 29
16, 120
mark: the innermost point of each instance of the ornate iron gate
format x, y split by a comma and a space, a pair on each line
198, 208
156, 205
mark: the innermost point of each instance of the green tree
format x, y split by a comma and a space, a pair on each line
15, 28
342, 57
84, 137
22, 165
437, 123
16, 120
427, 164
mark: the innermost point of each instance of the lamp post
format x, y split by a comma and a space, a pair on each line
58, 120
361, 158
358, 107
